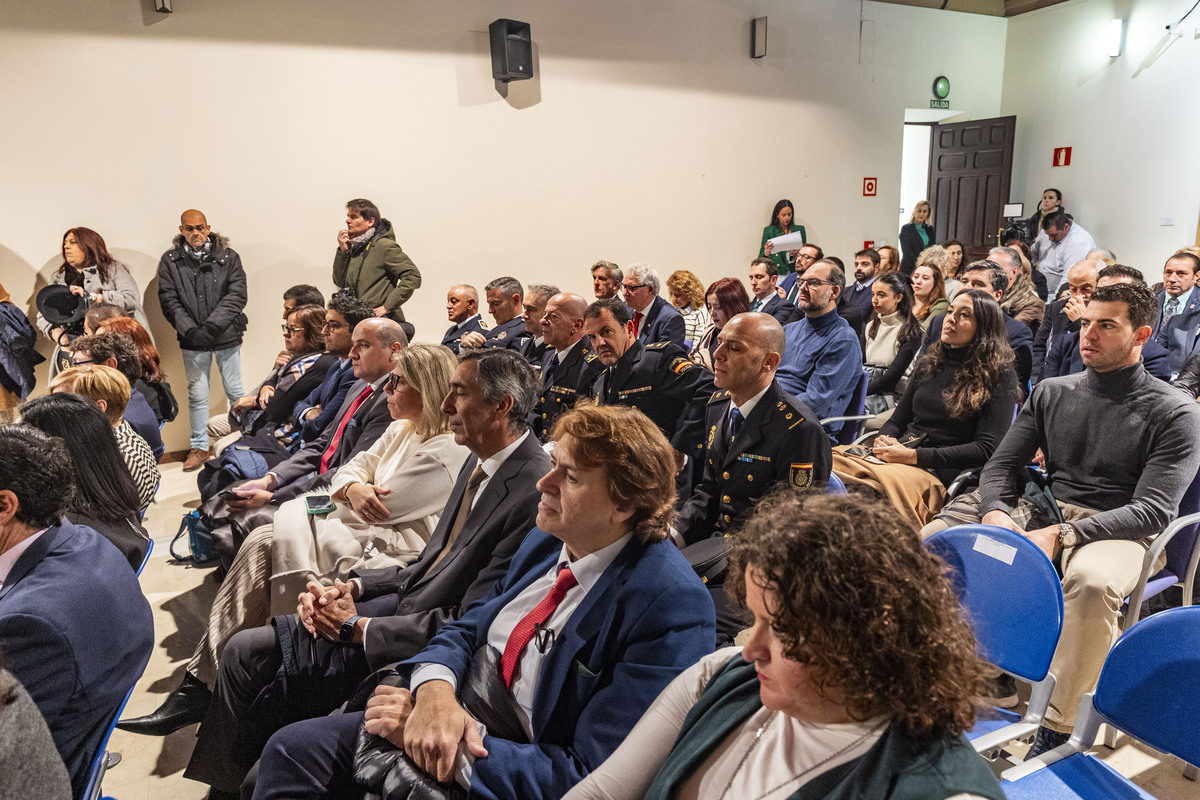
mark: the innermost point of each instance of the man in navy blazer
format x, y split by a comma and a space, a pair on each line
616, 610
763, 276
855, 305
1178, 308
75, 628
655, 320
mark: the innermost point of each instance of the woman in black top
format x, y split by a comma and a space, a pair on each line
915, 237
957, 407
105, 497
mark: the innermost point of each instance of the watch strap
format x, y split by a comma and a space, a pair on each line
346, 634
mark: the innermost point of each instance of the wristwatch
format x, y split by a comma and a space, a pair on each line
346, 634
1067, 536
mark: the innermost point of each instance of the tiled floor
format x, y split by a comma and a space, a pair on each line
152, 767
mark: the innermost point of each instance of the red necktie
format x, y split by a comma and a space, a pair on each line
637, 323
327, 456
524, 631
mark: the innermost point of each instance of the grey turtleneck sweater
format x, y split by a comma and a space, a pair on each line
1122, 442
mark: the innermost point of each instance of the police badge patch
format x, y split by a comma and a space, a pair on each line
800, 476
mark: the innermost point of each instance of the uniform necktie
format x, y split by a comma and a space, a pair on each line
735, 423
548, 372
327, 456
464, 511
541, 612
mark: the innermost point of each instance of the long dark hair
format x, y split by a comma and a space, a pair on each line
910, 328
104, 488
95, 253
988, 356
780, 206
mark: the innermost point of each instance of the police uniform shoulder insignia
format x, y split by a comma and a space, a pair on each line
800, 476
658, 345
681, 365
718, 396
590, 357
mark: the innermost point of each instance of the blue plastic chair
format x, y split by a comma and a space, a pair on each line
1178, 540
835, 485
1149, 689
101, 763
146, 558
1014, 599
854, 413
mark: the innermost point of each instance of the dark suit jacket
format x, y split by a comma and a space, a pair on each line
1054, 325
1178, 336
560, 389
646, 620
455, 334
329, 396
855, 306
781, 442
1020, 339
780, 309
301, 473
77, 632
141, 418
663, 323
511, 335
428, 598
1064, 358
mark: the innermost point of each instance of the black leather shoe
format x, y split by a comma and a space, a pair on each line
184, 706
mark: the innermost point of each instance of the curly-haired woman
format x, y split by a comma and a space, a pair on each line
857, 680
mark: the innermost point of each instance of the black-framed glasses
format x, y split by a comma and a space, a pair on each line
813, 282
629, 288
331, 325
193, 228
393, 382
79, 362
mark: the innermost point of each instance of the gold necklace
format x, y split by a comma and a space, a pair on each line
758, 735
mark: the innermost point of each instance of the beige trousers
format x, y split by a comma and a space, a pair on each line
242, 602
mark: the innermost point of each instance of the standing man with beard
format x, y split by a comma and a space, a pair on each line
202, 292
369, 262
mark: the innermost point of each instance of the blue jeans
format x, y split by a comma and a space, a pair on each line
197, 364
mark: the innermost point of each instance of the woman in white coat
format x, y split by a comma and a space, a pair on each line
387, 499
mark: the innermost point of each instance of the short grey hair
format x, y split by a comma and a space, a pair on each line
544, 291
468, 290
501, 374
614, 272
644, 273
508, 286
1008, 254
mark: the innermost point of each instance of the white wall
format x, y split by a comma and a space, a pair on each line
649, 134
1133, 122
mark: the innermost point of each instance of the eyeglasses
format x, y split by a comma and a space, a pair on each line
291, 329
806, 257
193, 228
333, 326
79, 362
813, 282
393, 382
631, 287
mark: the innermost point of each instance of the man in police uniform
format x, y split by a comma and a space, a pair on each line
658, 379
566, 365
462, 308
775, 438
504, 296
533, 308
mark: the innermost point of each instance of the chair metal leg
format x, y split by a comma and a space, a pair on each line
1191, 772
1110, 737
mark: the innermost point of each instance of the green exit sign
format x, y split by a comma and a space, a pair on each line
939, 103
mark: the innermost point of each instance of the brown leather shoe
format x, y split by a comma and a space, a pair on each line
195, 459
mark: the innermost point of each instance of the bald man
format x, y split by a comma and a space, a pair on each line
462, 307
758, 437
202, 291
1062, 316
567, 364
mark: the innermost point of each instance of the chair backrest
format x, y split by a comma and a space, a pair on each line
1150, 684
1179, 549
1011, 593
146, 558
855, 408
835, 485
91, 789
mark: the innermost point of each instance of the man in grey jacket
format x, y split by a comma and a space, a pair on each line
202, 291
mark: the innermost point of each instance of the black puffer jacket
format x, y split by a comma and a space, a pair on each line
204, 299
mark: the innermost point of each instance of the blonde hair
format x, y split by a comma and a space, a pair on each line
938, 257
428, 368
96, 382
917, 207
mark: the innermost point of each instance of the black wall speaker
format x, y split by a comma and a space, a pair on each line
512, 50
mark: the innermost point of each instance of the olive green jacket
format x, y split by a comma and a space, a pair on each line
378, 271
